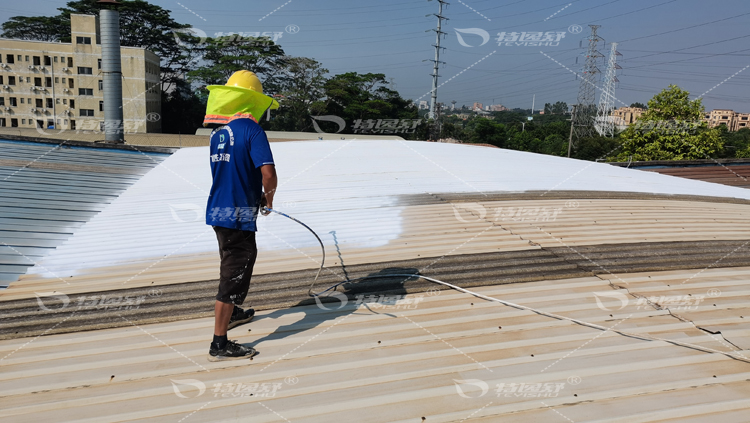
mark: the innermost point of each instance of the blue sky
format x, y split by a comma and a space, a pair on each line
696, 44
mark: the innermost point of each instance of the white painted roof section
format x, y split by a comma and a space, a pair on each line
325, 183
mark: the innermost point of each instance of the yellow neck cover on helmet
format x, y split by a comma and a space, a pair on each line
226, 103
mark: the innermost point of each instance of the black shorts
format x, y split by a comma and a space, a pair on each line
238, 253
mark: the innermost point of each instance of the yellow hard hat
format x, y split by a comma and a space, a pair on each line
240, 96
249, 81
245, 79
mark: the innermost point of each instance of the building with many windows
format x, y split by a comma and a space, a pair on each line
627, 115
733, 120
54, 85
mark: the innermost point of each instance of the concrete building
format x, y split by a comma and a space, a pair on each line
59, 85
498, 108
477, 107
733, 120
627, 115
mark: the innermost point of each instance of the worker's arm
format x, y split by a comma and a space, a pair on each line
269, 186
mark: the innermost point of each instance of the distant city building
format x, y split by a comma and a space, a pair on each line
498, 108
627, 115
733, 120
477, 107
423, 105
51, 84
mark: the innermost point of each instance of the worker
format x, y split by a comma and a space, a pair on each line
244, 183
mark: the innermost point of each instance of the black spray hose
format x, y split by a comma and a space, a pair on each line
322, 249
646, 337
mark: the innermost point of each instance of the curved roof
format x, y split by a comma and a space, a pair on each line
648, 254
383, 200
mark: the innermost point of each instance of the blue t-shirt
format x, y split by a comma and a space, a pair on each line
238, 150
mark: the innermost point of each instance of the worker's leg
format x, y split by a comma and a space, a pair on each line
222, 312
238, 253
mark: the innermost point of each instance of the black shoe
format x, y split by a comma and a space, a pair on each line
232, 351
240, 317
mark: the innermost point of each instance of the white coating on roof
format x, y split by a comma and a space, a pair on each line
358, 181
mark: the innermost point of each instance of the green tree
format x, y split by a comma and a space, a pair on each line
639, 105
558, 108
594, 148
353, 96
221, 59
453, 129
736, 144
41, 28
671, 129
301, 84
182, 110
486, 131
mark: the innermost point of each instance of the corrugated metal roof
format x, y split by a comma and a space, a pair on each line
733, 175
436, 358
378, 201
474, 215
427, 231
48, 191
279, 289
732, 172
